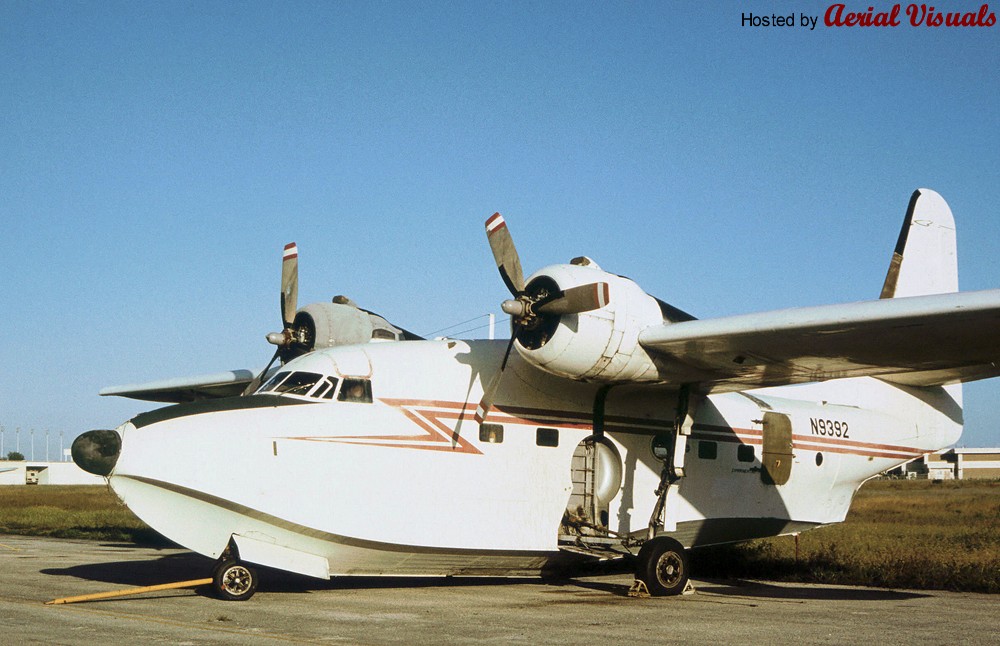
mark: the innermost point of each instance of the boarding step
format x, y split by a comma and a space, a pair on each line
599, 546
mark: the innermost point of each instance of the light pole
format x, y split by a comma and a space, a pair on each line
46, 445
32, 445
3, 456
17, 439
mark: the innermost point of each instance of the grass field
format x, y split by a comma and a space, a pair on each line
64, 511
901, 534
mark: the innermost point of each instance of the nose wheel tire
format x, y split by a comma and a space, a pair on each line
663, 566
234, 581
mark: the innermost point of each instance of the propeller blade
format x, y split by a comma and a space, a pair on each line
574, 300
289, 283
505, 254
486, 403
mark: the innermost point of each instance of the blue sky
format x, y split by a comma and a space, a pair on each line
155, 157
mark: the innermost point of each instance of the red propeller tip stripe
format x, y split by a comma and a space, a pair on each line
291, 251
495, 222
603, 294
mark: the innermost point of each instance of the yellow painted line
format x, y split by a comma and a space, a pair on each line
10, 547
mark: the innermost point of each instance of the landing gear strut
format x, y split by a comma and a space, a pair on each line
233, 580
662, 562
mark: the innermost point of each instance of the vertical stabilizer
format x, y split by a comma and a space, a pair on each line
925, 260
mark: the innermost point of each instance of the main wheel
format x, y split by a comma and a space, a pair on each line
234, 581
663, 567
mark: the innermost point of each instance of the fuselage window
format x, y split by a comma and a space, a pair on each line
356, 390
661, 446
547, 437
707, 450
745, 453
492, 433
383, 335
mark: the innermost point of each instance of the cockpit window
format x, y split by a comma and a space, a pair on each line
298, 383
356, 390
317, 386
308, 384
326, 388
273, 381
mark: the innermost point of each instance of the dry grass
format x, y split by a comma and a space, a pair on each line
901, 534
70, 512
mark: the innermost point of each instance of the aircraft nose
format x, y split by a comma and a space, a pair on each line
97, 451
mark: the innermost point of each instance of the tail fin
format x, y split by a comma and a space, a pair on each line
925, 260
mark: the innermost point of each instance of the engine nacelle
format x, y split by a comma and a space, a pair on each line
325, 325
601, 345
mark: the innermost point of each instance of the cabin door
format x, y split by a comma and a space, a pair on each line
597, 478
777, 452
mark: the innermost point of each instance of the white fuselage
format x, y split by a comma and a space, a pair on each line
406, 485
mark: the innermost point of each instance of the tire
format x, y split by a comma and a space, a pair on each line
234, 581
663, 566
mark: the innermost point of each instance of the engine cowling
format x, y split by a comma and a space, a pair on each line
341, 322
600, 345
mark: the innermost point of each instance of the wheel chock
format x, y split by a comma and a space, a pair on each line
639, 590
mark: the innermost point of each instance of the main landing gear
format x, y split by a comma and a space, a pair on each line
233, 580
662, 566
662, 562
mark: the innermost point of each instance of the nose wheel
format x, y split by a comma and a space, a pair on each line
234, 581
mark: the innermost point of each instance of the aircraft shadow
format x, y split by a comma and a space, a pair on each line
803, 591
189, 566
166, 569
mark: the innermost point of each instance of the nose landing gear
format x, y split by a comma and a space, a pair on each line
233, 580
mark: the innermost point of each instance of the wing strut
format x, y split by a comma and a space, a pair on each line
664, 514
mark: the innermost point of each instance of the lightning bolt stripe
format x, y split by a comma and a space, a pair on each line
441, 426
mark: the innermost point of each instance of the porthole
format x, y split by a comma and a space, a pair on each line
491, 433
661, 446
547, 437
819, 459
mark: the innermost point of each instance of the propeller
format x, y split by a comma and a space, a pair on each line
291, 337
534, 305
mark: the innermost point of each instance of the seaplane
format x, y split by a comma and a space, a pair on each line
611, 425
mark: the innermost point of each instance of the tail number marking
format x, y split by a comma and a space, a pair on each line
828, 427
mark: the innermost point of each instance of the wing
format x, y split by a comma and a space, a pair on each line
919, 341
187, 389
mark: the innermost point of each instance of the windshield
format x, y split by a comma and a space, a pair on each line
301, 383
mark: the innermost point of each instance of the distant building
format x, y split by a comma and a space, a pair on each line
953, 464
55, 473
